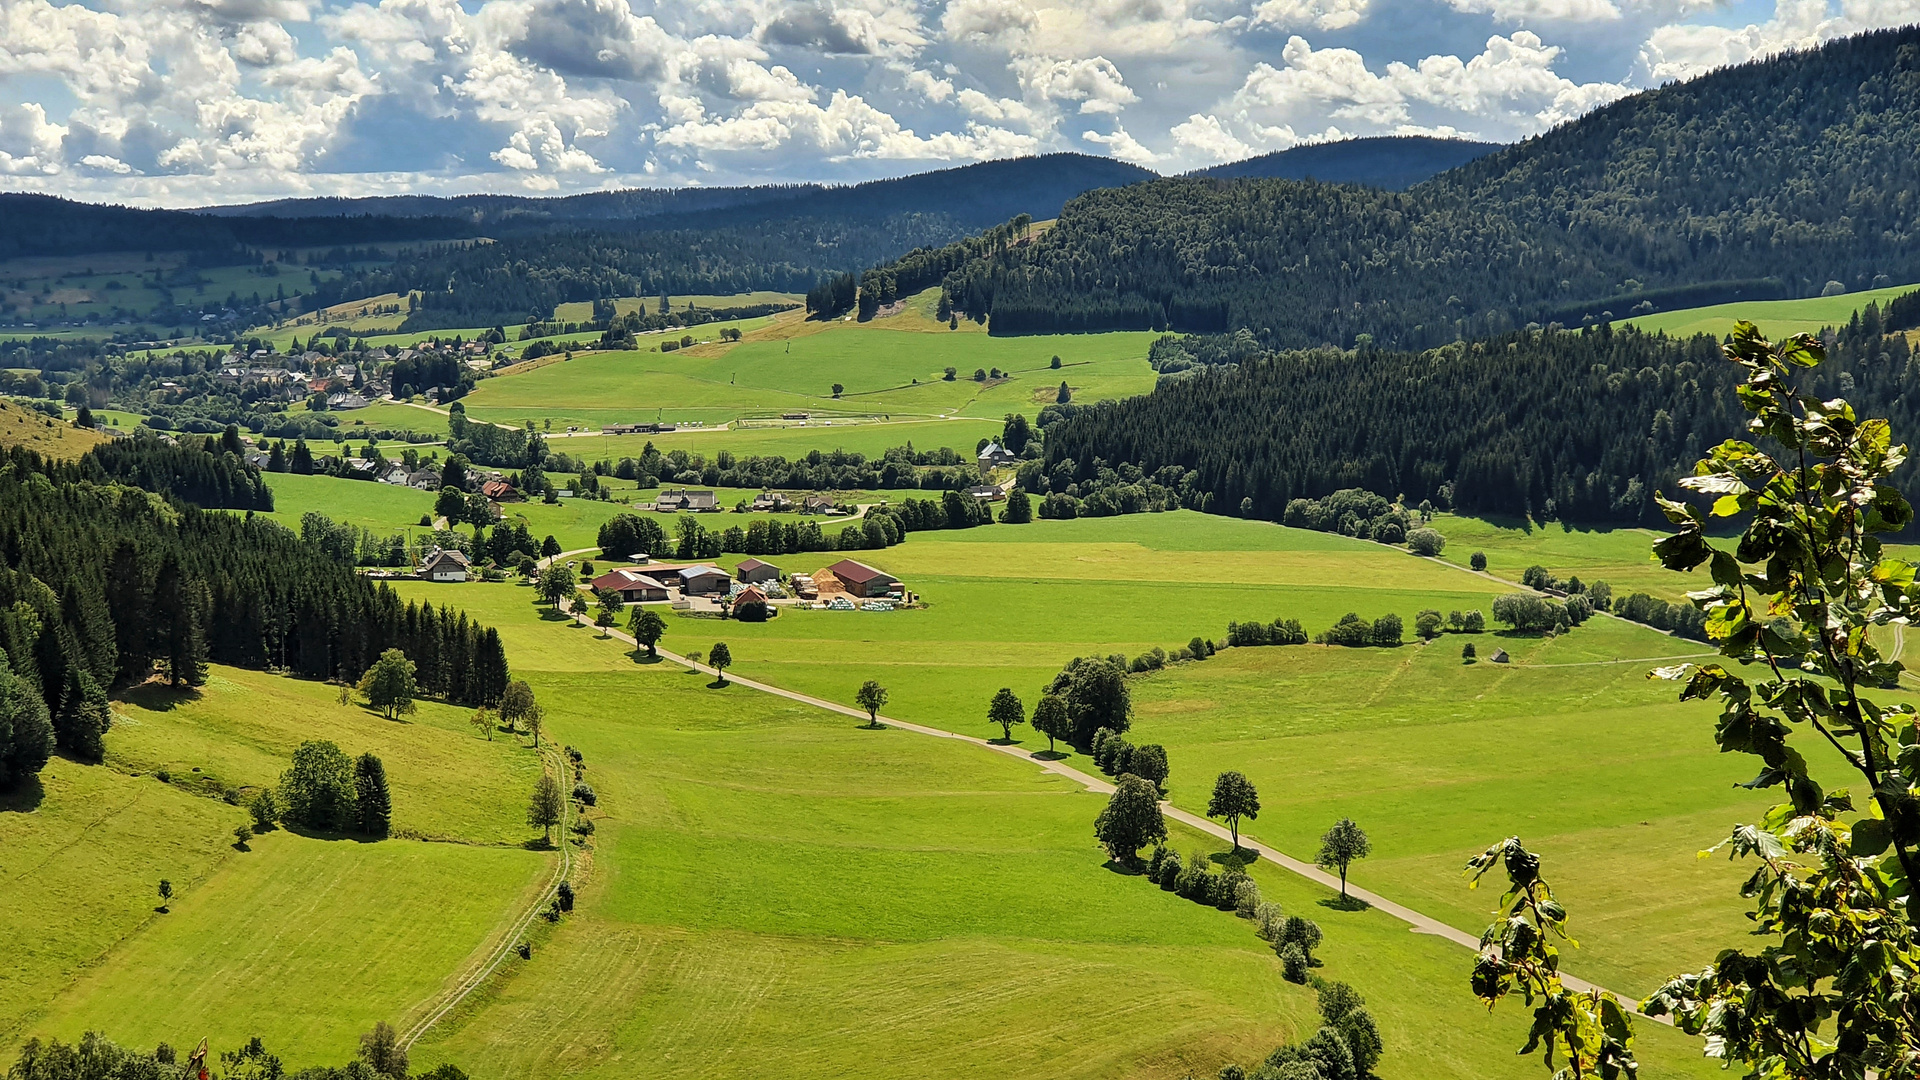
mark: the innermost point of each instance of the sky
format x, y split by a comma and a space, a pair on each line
197, 102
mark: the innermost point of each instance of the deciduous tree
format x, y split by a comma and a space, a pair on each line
719, 659
1340, 846
871, 696
1050, 719
389, 684
546, 806
647, 628
1131, 820
1234, 797
1006, 710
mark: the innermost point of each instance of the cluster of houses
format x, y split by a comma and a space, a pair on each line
753, 579
706, 501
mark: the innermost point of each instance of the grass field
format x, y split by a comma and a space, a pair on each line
889, 367
252, 933
777, 892
1622, 557
43, 434
1411, 741
1776, 318
575, 523
583, 310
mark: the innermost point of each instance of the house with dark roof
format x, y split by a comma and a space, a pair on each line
633, 586
862, 580
444, 565
993, 454
755, 572
688, 500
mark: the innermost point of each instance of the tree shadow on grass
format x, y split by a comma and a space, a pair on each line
24, 798
547, 614
1344, 903
718, 684
1005, 742
328, 834
159, 697
640, 656
1050, 755
539, 843
1239, 858
1125, 869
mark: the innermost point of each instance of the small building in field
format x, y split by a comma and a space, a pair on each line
862, 580
686, 500
703, 579
1499, 656
443, 565
755, 571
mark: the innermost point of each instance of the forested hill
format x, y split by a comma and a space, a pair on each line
46, 225
1394, 162
1583, 426
1773, 178
980, 194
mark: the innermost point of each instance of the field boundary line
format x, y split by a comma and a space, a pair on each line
1418, 922
515, 932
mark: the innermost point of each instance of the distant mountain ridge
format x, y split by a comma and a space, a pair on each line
986, 192
1394, 162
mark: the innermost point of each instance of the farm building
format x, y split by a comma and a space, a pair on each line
443, 565
501, 491
703, 579
679, 499
754, 571
633, 586
862, 580
771, 500
994, 454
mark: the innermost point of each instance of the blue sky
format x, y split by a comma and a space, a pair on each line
190, 102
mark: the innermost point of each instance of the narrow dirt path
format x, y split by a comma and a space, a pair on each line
1419, 923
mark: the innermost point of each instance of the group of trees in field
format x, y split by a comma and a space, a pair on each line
325, 790
1656, 202
491, 444
96, 1057
898, 467
107, 585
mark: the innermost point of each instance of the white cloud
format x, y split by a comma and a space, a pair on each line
1206, 136
1681, 51
1300, 14
1533, 11
1123, 146
819, 25
929, 86
1095, 83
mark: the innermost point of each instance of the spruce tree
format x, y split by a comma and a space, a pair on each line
371, 796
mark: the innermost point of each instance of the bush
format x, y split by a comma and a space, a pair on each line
1351, 631
584, 827
1194, 881
242, 834
1293, 962
1475, 622
1149, 763
1479, 561
1427, 625
1155, 861
1427, 542
1466, 651
583, 794
1387, 630
265, 810
752, 611
564, 895
1170, 870
1226, 890
1526, 612
1268, 920
1246, 897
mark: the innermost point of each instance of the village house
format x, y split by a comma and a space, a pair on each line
444, 565
862, 580
771, 500
424, 479
686, 499
633, 586
755, 572
396, 475
501, 491
987, 492
993, 454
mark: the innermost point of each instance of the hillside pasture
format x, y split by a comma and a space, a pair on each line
773, 885
43, 434
1777, 318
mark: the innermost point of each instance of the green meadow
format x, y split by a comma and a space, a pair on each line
575, 523
888, 368
1621, 556
1776, 318
250, 932
1435, 756
775, 891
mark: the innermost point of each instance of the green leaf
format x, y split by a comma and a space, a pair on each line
1870, 837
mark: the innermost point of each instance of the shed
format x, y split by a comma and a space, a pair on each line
703, 579
1499, 656
862, 580
755, 571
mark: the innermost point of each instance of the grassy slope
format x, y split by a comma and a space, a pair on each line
1622, 557
1409, 739
1777, 318
252, 934
575, 523
44, 434
777, 892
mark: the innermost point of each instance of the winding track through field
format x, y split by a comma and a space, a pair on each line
1420, 924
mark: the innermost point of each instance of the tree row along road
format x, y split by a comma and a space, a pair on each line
1420, 924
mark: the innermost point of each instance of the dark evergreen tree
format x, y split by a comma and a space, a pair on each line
371, 797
